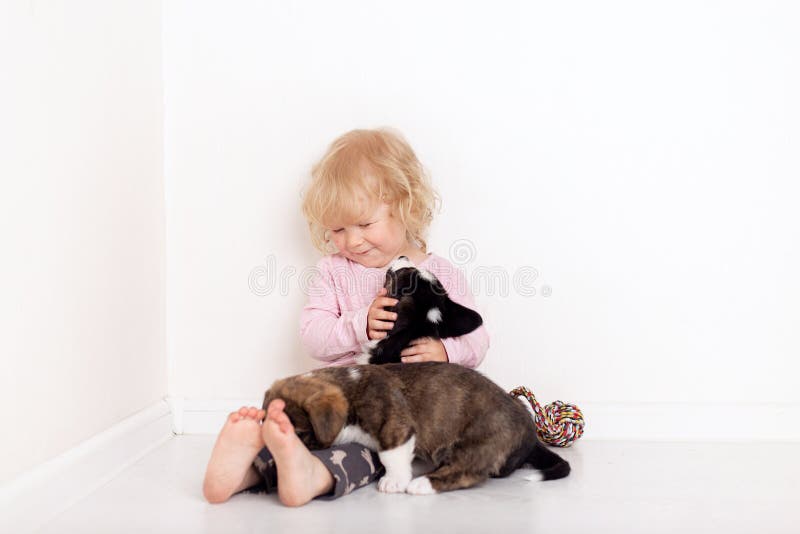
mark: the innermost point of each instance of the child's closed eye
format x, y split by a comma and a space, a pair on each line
361, 225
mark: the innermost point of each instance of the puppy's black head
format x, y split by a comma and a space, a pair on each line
403, 279
424, 310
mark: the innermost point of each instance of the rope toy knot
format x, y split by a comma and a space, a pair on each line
559, 424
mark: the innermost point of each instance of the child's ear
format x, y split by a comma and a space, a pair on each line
458, 320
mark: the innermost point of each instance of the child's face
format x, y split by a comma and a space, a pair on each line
373, 241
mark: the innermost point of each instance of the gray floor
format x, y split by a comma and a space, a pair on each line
615, 487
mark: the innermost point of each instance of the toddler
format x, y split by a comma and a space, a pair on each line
369, 202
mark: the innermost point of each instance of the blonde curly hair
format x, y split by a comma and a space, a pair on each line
361, 169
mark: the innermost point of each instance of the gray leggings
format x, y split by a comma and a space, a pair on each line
352, 466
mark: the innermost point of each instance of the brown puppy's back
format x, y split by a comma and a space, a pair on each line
458, 408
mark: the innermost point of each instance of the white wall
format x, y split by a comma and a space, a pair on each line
81, 221
642, 157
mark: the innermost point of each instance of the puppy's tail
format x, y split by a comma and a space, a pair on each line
551, 465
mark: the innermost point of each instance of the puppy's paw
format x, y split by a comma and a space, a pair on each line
420, 486
367, 350
388, 484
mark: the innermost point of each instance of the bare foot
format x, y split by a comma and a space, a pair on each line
230, 467
301, 475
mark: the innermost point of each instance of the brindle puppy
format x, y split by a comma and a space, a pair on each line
450, 415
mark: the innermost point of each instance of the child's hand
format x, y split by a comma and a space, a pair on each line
380, 321
424, 349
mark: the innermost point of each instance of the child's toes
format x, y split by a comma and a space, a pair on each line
234, 417
277, 405
252, 412
283, 422
243, 411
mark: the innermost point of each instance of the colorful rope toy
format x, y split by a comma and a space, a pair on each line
559, 424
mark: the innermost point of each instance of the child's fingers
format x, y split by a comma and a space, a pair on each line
375, 324
379, 296
385, 302
377, 334
383, 314
412, 351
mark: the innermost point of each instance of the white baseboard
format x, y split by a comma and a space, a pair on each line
624, 421
34, 498
206, 416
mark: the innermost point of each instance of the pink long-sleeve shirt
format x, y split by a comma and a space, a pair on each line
333, 324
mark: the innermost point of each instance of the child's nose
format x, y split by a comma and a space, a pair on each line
354, 239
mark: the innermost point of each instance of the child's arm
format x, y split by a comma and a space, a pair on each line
470, 349
326, 331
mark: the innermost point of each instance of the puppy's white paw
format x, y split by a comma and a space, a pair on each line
366, 351
389, 484
420, 486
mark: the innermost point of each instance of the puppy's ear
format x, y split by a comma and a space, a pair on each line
458, 320
327, 410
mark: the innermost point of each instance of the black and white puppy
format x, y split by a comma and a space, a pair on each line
424, 310
455, 418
